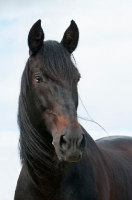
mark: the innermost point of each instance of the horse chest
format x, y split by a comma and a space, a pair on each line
71, 188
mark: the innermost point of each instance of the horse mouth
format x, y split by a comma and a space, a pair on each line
70, 159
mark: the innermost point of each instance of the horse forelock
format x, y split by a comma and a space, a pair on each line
56, 63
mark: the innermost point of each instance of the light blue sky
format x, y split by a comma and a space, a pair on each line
103, 56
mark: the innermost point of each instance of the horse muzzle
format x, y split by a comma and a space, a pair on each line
69, 147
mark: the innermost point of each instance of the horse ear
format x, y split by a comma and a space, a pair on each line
35, 37
71, 37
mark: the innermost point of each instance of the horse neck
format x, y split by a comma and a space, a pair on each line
94, 153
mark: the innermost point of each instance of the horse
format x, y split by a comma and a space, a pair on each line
60, 160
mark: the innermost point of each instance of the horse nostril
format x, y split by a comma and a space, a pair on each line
82, 142
63, 143
77, 142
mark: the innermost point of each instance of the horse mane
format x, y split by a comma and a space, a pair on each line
35, 151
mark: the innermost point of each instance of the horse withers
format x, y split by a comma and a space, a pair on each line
60, 160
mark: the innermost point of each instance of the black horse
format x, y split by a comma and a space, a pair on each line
60, 160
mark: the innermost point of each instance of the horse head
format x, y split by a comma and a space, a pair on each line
53, 80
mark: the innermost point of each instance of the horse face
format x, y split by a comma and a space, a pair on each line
56, 104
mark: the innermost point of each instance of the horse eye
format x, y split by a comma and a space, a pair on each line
38, 79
